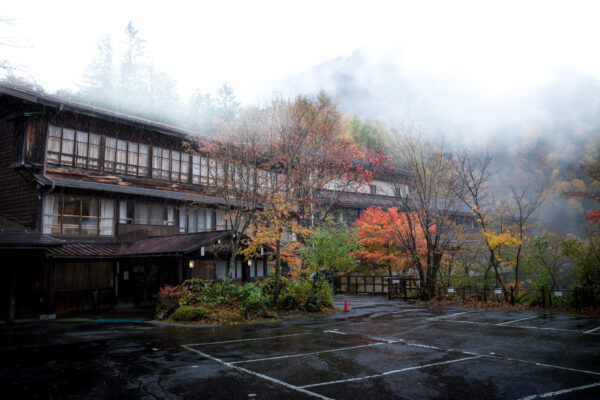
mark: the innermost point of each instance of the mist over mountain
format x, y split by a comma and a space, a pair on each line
539, 133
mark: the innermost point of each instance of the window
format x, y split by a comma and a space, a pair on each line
146, 213
75, 215
373, 189
73, 148
401, 190
161, 159
170, 165
126, 157
197, 177
195, 220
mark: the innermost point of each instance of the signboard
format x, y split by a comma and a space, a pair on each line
450, 290
498, 291
558, 294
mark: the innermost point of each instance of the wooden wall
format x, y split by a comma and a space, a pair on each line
18, 199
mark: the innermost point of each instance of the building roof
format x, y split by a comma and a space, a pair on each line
359, 200
135, 190
88, 109
179, 244
14, 235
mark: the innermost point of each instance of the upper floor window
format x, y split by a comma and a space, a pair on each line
373, 189
126, 157
170, 165
75, 215
73, 148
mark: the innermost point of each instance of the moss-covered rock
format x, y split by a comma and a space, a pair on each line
190, 313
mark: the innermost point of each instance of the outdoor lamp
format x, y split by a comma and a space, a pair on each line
191, 264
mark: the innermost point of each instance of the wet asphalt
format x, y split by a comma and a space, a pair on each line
379, 350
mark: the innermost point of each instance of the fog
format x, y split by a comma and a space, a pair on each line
538, 133
520, 80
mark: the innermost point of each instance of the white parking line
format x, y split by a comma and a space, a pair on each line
308, 354
389, 372
453, 315
515, 326
592, 330
559, 392
247, 340
335, 331
268, 378
517, 320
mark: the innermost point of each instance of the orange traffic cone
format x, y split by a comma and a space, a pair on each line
346, 308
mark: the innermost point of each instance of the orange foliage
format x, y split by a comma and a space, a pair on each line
387, 235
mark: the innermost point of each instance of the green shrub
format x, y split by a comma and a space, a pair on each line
253, 300
306, 295
190, 313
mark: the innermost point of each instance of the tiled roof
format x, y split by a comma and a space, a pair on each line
140, 191
158, 245
14, 235
62, 103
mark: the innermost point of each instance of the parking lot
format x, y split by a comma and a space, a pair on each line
380, 349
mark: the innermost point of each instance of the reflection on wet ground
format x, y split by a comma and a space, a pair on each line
381, 349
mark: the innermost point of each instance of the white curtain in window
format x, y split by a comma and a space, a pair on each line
209, 220
51, 224
107, 215
122, 211
182, 220
157, 214
54, 141
121, 151
238, 268
221, 223
193, 221
141, 213
170, 216
202, 220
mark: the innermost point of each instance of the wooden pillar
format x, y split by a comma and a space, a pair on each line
180, 271
244, 269
13, 291
50, 286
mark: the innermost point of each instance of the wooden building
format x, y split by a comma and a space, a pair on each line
100, 208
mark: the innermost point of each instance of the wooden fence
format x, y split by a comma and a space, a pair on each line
390, 286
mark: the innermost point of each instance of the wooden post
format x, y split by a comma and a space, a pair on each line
180, 270
50, 288
13, 291
389, 290
543, 296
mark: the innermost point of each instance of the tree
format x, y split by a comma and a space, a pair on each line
234, 168
307, 164
331, 247
391, 238
99, 82
132, 88
201, 113
374, 137
545, 260
226, 106
430, 205
504, 225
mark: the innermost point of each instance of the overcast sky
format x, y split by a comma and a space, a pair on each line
250, 44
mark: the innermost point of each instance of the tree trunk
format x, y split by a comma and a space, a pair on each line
277, 269
233, 248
